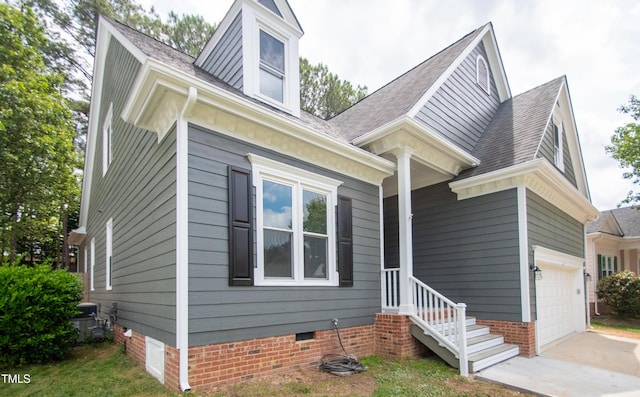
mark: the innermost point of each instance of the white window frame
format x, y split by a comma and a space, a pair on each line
270, 170
93, 265
269, 69
107, 140
484, 77
610, 264
109, 255
558, 144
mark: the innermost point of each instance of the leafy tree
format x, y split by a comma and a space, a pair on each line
38, 158
323, 94
625, 146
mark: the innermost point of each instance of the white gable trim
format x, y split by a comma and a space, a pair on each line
538, 176
289, 20
571, 134
105, 32
494, 63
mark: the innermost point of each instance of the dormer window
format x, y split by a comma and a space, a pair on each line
272, 67
482, 74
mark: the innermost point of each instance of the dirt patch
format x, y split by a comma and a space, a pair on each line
308, 382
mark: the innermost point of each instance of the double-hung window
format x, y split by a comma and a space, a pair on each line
109, 254
107, 137
272, 66
295, 217
607, 265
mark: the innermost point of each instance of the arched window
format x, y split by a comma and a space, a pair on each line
482, 74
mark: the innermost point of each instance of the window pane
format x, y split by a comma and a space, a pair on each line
271, 85
271, 51
315, 257
277, 254
276, 205
315, 212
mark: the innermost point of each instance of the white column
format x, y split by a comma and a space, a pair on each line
405, 226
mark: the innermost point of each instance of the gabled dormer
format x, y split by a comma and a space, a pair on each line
255, 49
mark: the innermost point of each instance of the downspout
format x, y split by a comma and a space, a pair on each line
182, 238
595, 278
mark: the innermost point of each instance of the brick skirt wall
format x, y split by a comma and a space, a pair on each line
220, 363
517, 333
229, 362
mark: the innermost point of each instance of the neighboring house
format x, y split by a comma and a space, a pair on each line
613, 243
231, 228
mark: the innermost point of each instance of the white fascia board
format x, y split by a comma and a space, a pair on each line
537, 175
496, 65
419, 130
105, 32
447, 73
157, 80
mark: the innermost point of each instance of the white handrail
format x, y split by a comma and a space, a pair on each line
442, 318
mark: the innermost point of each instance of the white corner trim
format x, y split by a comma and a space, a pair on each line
537, 175
523, 248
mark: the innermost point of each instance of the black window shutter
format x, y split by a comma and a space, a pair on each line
345, 242
240, 227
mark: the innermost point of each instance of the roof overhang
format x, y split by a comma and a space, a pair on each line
540, 177
161, 93
426, 146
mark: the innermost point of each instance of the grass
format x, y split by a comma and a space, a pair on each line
614, 323
104, 370
91, 370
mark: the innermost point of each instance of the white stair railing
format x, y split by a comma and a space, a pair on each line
438, 316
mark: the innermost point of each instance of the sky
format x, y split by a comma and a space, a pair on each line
594, 43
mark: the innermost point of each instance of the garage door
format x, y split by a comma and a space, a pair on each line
558, 303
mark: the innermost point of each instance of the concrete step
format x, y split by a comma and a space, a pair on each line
488, 357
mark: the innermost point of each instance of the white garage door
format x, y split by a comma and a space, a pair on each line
558, 303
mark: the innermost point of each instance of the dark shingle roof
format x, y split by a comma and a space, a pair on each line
513, 135
628, 219
399, 96
170, 56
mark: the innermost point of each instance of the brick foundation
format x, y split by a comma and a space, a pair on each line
229, 362
517, 333
393, 337
220, 363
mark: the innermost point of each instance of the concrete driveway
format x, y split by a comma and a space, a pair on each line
583, 364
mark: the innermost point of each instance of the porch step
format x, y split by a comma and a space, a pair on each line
483, 348
491, 356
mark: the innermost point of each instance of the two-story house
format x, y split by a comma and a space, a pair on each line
231, 228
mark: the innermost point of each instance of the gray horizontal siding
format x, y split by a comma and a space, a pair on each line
550, 227
546, 151
219, 313
225, 61
138, 192
460, 110
466, 250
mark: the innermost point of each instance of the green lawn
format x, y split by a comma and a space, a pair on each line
103, 370
92, 370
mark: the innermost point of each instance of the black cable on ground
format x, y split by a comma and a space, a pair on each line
341, 365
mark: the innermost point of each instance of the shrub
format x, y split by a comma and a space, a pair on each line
621, 291
36, 307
